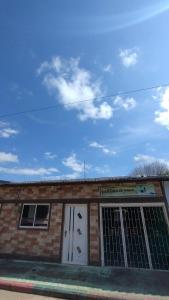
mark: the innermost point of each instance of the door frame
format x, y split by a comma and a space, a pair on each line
120, 205
87, 232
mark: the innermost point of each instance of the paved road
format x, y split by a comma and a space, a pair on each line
5, 295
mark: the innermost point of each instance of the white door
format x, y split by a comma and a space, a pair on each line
75, 234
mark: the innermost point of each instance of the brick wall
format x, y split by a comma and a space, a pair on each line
41, 242
59, 191
29, 242
76, 191
94, 234
47, 243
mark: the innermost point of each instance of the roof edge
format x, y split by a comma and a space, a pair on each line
88, 180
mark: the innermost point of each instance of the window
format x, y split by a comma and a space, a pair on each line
35, 215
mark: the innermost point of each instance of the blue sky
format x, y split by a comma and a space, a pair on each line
66, 52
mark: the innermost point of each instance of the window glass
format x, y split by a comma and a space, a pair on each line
28, 215
42, 215
35, 215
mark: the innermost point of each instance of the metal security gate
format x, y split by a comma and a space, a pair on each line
135, 236
113, 244
158, 237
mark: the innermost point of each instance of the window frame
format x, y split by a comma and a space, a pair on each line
33, 226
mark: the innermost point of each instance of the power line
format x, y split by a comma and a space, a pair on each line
7, 115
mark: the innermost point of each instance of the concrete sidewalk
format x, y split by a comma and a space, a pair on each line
77, 282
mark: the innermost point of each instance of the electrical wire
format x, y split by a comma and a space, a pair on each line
7, 115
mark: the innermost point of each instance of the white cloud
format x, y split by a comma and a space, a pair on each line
6, 131
55, 64
74, 164
127, 103
70, 176
143, 158
162, 115
74, 175
75, 87
129, 57
108, 68
49, 155
8, 157
158, 92
28, 171
3, 124
104, 148
103, 170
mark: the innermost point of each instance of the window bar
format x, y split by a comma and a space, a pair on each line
123, 238
21, 215
146, 238
34, 215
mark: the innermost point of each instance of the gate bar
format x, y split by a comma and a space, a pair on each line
146, 238
123, 238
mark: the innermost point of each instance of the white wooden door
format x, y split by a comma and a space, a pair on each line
75, 235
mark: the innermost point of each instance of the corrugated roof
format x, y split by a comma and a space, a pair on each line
88, 180
4, 181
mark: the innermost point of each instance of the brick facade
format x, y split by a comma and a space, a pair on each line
47, 243
94, 235
32, 242
59, 191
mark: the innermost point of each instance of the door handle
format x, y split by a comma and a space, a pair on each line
79, 231
65, 233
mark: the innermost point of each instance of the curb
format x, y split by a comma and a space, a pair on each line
16, 286
44, 290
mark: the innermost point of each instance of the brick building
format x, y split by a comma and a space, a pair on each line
121, 222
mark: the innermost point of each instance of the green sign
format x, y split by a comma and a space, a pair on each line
128, 190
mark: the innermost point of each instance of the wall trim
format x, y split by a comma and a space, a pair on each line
138, 199
29, 257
